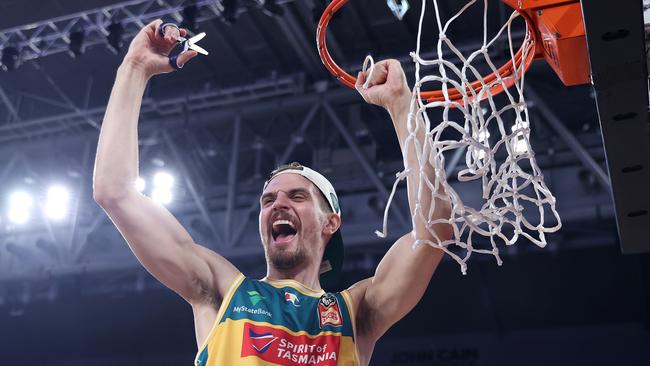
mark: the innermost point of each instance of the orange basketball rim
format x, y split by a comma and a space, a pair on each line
556, 28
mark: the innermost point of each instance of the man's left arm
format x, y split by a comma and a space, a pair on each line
402, 276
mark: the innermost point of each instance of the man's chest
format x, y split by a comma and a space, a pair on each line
286, 326
290, 309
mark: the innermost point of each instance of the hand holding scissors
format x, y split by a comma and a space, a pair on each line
187, 44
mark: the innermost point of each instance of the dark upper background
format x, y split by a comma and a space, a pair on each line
73, 294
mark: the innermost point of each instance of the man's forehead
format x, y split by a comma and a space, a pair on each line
288, 181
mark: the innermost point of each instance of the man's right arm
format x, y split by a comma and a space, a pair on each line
157, 239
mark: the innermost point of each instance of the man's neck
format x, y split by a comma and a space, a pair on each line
307, 276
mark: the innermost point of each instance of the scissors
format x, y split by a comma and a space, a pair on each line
188, 44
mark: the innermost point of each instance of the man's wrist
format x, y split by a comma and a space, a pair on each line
400, 105
134, 69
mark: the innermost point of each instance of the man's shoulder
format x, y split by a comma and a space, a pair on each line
363, 319
357, 294
359, 288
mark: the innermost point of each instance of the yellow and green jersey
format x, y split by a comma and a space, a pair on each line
280, 322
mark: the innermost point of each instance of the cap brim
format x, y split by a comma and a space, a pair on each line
334, 254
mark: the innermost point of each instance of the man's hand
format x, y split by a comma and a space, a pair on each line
387, 88
149, 51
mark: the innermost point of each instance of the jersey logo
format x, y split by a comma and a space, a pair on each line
255, 297
289, 349
292, 298
329, 312
260, 342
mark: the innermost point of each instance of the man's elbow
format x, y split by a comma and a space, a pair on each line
108, 195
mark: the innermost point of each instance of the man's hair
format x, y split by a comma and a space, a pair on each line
322, 200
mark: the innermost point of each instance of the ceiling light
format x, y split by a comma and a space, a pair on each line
10, 58
520, 145
162, 195
163, 180
76, 46
20, 205
229, 11
58, 198
115, 36
140, 184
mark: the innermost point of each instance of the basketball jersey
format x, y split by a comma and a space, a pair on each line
280, 322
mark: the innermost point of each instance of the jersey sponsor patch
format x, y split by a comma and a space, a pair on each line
292, 298
329, 312
261, 342
255, 311
282, 348
255, 297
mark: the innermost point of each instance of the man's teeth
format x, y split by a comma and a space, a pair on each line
283, 222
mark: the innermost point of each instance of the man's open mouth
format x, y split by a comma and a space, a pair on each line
283, 231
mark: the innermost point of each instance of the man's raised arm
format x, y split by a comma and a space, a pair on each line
404, 273
157, 239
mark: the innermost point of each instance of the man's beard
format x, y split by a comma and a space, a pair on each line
284, 259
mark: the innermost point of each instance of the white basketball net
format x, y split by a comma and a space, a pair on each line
514, 195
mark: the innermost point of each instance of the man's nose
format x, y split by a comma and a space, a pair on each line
281, 201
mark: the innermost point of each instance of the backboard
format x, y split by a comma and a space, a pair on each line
616, 41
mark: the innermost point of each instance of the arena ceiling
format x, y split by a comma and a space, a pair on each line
261, 98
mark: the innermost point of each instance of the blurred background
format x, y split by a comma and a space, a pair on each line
72, 293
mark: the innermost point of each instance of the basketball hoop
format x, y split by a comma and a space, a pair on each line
505, 72
573, 68
515, 198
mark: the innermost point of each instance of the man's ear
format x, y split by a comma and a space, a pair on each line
333, 223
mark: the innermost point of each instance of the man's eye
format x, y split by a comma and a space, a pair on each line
299, 196
266, 201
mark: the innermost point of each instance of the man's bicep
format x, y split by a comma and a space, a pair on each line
399, 283
166, 249
220, 272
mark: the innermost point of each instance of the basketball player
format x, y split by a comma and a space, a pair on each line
285, 318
